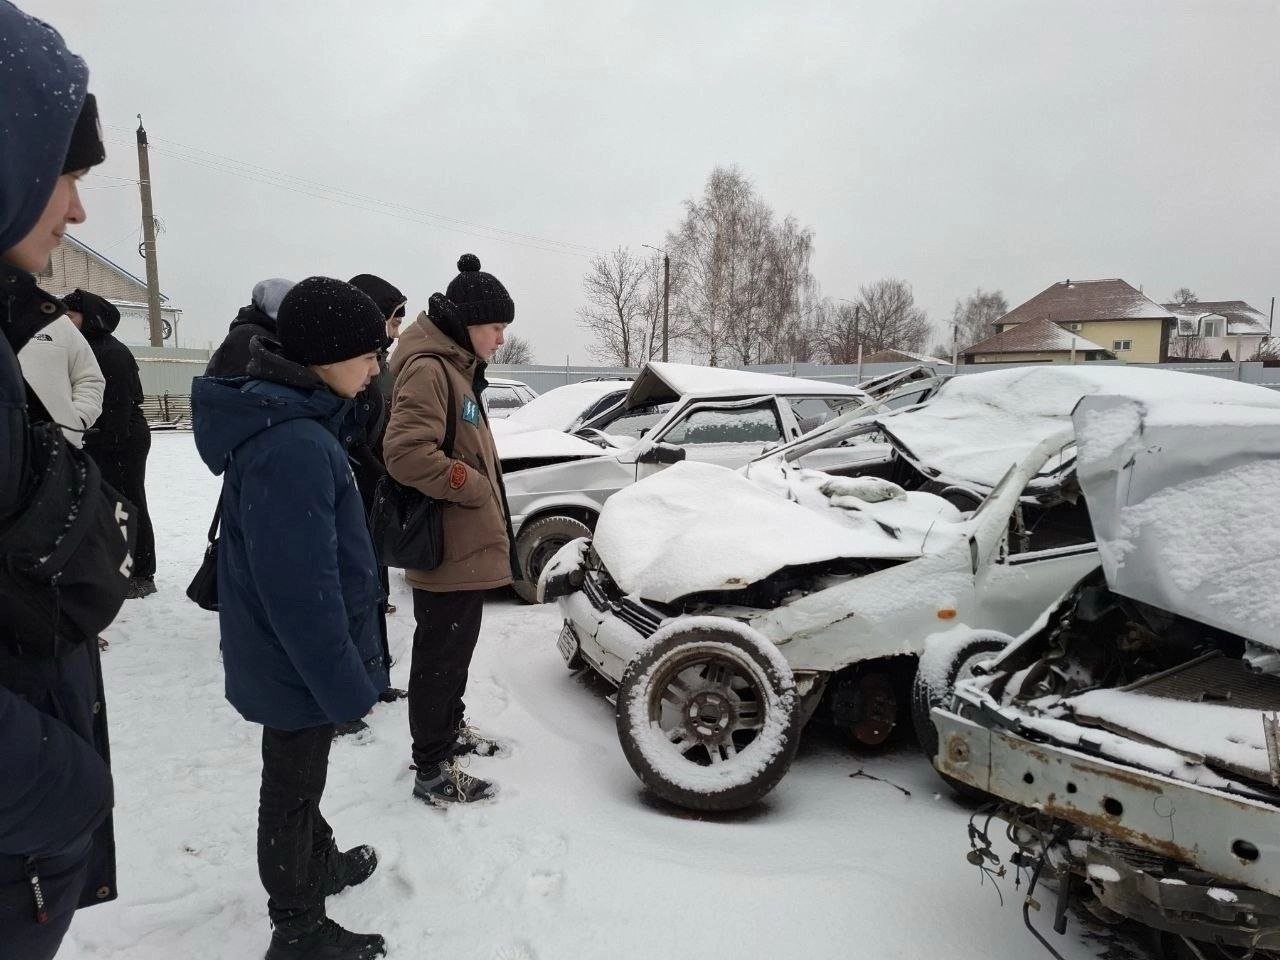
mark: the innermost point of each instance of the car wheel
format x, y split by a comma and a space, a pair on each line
537, 543
708, 716
941, 665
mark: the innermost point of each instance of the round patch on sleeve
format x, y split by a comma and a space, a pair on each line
458, 476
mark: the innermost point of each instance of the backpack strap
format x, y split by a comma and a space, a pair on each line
217, 519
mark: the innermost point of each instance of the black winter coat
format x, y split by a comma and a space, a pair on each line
122, 424
231, 359
55, 776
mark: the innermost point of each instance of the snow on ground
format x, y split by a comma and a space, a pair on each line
571, 861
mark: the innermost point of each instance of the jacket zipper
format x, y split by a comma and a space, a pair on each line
42, 913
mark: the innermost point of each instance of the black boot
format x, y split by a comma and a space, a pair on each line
328, 942
348, 869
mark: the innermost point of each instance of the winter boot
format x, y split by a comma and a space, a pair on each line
139, 588
349, 728
392, 694
444, 783
328, 942
349, 869
470, 740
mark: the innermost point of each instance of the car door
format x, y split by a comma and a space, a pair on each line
726, 433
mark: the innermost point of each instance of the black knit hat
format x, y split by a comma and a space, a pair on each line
97, 315
86, 148
385, 295
322, 320
479, 297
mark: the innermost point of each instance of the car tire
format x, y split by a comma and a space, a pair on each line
940, 667
709, 716
537, 543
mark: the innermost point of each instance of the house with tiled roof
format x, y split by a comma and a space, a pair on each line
1212, 329
1035, 341
76, 264
1111, 315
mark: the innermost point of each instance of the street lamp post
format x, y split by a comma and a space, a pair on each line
666, 295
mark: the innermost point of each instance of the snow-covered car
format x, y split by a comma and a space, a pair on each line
1130, 737
557, 482
837, 556
504, 397
565, 408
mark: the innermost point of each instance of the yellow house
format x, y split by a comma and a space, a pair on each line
1110, 315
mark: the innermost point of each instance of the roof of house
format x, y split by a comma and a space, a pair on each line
108, 263
1241, 317
1080, 301
1034, 336
902, 356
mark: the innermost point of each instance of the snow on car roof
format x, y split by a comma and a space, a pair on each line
698, 526
978, 425
502, 382
559, 407
1185, 502
664, 382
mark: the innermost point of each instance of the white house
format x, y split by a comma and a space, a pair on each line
1208, 329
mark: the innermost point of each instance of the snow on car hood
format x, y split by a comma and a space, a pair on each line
558, 408
697, 527
1185, 502
544, 445
978, 425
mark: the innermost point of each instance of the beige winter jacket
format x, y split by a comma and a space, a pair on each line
476, 545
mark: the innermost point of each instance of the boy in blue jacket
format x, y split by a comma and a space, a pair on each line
298, 589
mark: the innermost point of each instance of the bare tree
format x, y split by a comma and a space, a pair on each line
889, 318
516, 350
840, 331
974, 316
1268, 349
1184, 296
619, 312
740, 279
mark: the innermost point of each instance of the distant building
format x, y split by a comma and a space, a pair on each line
1035, 341
903, 356
1208, 329
76, 264
1110, 315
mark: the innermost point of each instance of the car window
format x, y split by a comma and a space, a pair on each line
501, 398
755, 425
813, 412
635, 422
603, 404
906, 399
525, 394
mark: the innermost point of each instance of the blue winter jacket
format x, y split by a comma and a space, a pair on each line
298, 588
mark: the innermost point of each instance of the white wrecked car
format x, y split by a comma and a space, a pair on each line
503, 397
565, 408
961, 511
1131, 735
557, 482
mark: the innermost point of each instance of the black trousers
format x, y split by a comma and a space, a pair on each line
295, 842
125, 468
448, 625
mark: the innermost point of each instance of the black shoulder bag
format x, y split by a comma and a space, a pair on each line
406, 524
203, 589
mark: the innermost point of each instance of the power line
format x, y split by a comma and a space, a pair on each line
265, 175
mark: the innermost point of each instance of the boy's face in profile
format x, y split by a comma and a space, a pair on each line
346, 378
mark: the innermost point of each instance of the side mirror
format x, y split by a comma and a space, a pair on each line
663, 453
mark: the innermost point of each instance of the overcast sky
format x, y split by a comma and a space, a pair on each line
954, 145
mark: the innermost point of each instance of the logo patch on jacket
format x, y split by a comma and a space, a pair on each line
457, 476
43, 338
470, 411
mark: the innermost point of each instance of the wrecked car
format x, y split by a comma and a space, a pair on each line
565, 408
504, 397
1129, 738
727, 606
558, 482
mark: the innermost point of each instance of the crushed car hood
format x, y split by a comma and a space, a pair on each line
698, 527
546, 446
978, 424
1185, 502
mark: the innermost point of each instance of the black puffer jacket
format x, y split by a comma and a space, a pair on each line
122, 424
231, 359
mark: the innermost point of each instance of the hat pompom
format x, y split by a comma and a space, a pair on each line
468, 263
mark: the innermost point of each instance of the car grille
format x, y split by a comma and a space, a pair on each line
605, 597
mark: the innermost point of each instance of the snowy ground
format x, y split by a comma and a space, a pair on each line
570, 862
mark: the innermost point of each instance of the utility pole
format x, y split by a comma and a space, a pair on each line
149, 240
666, 302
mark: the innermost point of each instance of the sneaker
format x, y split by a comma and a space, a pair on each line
328, 942
392, 694
140, 587
470, 740
349, 869
349, 728
445, 783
